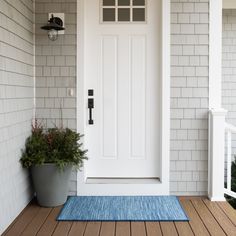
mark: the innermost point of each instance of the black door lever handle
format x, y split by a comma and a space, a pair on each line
90, 107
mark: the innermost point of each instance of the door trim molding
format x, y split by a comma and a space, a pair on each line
162, 188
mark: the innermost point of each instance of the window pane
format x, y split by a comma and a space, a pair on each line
124, 14
138, 2
123, 2
138, 14
109, 14
109, 2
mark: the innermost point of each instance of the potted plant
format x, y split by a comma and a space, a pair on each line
50, 155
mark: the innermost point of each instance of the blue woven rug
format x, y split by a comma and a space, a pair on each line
123, 208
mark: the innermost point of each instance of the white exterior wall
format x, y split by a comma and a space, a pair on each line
56, 68
189, 96
16, 104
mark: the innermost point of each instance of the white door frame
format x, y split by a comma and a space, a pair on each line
161, 188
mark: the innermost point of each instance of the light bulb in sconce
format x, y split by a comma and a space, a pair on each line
53, 34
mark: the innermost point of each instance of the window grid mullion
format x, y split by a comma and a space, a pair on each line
116, 11
131, 7
123, 7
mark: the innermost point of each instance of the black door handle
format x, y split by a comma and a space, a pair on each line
90, 107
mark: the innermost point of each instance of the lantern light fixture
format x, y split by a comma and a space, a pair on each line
54, 25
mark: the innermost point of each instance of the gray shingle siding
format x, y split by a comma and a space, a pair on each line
16, 104
56, 69
189, 96
229, 71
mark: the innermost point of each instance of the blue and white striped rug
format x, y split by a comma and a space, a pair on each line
123, 208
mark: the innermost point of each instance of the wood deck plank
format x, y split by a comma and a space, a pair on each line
186, 198
195, 221
138, 229
229, 211
207, 218
15, 220
225, 223
92, 229
62, 228
123, 228
183, 228
78, 228
22, 222
153, 229
50, 223
108, 229
37, 222
168, 229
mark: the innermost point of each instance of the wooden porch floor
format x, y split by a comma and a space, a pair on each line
206, 218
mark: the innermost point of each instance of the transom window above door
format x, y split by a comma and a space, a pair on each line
121, 11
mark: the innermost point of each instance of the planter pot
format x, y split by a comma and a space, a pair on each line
51, 184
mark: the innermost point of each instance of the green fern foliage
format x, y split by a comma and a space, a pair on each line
232, 200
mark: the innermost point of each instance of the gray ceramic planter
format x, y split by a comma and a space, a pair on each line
51, 184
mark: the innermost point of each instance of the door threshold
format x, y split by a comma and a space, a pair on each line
123, 180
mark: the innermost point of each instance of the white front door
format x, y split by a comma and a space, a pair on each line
122, 67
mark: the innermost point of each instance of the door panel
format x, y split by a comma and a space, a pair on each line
109, 96
138, 96
122, 65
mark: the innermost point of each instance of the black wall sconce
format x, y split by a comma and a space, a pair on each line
54, 25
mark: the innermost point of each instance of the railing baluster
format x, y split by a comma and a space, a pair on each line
229, 159
229, 129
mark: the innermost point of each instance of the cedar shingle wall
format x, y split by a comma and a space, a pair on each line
16, 104
229, 69
56, 68
189, 96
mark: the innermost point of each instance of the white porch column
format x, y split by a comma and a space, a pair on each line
215, 53
216, 154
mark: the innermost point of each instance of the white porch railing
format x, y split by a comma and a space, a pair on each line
229, 129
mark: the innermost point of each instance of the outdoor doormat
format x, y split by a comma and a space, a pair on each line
122, 208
